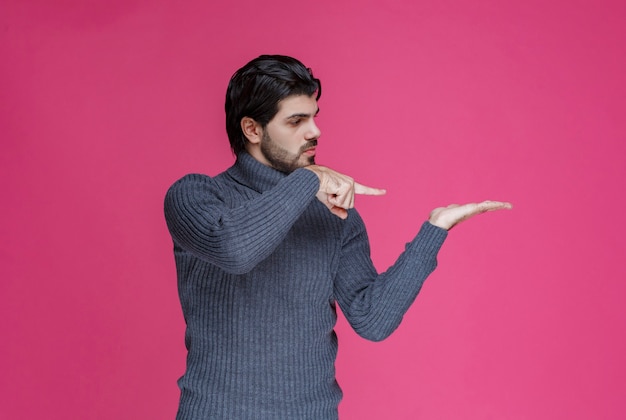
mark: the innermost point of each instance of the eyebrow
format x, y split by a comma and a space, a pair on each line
302, 115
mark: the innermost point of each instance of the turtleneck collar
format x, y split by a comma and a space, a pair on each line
249, 171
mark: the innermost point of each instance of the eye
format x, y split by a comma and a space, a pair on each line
295, 121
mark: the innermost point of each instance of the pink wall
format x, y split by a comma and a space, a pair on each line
103, 104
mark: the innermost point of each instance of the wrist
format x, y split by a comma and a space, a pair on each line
438, 221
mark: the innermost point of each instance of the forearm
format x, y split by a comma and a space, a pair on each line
375, 304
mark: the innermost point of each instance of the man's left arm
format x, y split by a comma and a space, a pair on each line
375, 304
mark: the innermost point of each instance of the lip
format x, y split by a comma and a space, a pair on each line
309, 152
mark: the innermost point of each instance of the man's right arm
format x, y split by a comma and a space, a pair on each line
230, 231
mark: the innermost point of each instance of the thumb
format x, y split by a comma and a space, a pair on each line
339, 212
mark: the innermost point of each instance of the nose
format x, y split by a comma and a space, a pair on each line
313, 132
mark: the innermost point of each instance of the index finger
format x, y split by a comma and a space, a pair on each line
362, 189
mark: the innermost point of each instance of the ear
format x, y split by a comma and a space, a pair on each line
252, 130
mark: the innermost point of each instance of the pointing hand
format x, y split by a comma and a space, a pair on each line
337, 190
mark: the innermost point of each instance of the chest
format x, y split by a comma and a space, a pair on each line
303, 266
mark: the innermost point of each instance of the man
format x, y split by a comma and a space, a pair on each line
266, 249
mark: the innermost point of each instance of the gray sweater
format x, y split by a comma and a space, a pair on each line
261, 264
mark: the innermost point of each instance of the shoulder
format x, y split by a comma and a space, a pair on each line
191, 182
353, 226
192, 187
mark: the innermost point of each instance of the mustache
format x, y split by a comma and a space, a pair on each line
308, 145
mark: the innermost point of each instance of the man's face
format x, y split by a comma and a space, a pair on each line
290, 138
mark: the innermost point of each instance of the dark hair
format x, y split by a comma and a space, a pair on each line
256, 89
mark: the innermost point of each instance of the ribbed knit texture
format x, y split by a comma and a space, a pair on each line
261, 263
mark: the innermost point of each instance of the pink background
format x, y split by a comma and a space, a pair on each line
103, 104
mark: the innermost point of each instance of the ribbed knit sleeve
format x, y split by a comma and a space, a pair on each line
235, 235
375, 304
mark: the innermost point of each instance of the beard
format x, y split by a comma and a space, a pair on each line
283, 160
